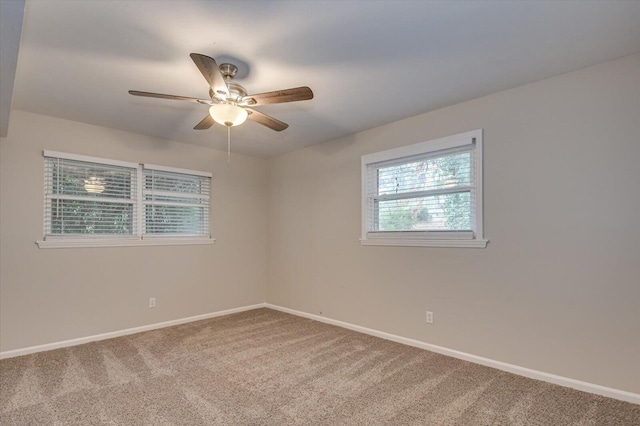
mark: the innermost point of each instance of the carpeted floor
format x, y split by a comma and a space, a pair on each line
264, 367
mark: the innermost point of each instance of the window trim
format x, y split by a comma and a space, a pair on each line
73, 241
122, 242
428, 238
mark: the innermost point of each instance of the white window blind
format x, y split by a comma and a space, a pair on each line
96, 202
89, 198
424, 193
175, 203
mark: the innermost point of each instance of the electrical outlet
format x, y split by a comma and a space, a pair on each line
429, 317
152, 302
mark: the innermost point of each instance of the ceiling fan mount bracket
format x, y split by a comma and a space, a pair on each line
228, 71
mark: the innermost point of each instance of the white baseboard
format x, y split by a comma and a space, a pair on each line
515, 369
112, 334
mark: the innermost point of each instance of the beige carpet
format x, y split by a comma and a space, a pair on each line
265, 367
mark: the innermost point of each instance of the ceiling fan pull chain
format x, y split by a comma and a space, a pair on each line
228, 146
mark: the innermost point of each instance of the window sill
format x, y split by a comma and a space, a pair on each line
404, 242
107, 242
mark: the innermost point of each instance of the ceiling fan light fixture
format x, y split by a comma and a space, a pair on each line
228, 114
227, 98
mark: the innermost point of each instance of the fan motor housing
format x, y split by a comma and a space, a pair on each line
236, 91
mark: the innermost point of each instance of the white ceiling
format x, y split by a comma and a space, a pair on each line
368, 62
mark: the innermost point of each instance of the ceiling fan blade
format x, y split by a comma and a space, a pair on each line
279, 96
205, 123
266, 120
209, 69
172, 97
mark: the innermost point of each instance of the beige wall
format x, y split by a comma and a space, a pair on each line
558, 287
49, 295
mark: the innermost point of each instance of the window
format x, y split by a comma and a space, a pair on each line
175, 203
427, 194
91, 202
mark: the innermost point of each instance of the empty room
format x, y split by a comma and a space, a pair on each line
319, 212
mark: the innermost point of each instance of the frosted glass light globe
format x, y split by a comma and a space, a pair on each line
228, 114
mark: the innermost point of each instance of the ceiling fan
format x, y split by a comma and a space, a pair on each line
229, 103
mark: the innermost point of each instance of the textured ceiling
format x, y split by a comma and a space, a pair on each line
368, 63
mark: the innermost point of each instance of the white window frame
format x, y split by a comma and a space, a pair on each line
474, 239
136, 239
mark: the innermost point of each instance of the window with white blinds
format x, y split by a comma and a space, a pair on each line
93, 202
427, 194
89, 197
175, 203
